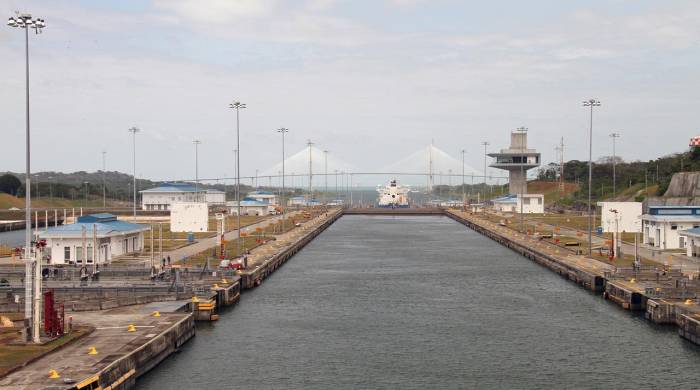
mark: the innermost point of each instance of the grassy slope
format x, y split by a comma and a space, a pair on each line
7, 201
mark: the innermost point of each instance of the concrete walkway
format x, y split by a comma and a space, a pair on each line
110, 338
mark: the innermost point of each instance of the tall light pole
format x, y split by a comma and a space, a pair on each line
523, 130
196, 143
133, 132
614, 162
235, 164
282, 131
311, 171
486, 144
104, 189
590, 103
325, 176
238, 106
463, 192
26, 22
86, 192
50, 179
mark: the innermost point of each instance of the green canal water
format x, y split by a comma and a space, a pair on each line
423, 302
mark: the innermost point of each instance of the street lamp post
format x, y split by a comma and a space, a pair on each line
104, 188
50, 178
26, 22
614, 136
590, 103
523, 130
325, 176
282, 131
463, 193
86, 193
196, 143
133, 132
238, 106
486, 144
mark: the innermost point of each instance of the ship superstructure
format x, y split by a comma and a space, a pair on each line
393, 195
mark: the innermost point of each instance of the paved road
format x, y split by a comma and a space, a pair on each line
644, 251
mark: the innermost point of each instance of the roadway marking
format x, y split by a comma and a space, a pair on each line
122, 327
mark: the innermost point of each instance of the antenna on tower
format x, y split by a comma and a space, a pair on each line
560, 155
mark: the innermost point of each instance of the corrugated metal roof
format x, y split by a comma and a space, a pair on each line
172, 187
671, 218
690, 232
105, 228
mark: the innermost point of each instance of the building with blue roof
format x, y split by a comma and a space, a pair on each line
267, 197
74, 243
531, 204
160, 198
249, 206
662, 225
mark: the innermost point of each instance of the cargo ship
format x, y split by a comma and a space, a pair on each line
392, 195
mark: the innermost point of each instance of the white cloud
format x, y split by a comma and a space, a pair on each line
216, 11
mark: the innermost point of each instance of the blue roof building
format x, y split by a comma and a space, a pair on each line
160, 198
109, 236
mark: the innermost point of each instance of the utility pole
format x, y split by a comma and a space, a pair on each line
590, 103
523, 185
26, 22
486, 144
325, 176
104, 188
196, 143
614, 136
311, 172
282, 131
133, 131
238, 106
463, 192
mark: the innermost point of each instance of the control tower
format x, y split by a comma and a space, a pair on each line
517, 159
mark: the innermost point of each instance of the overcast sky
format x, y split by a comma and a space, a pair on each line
370, 81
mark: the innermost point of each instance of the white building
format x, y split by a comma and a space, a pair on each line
532, 204
189, 217
215, 197
161, 197
626, 217
110, 236
662, 225
266, 197
692, 241
301, 201
248, 207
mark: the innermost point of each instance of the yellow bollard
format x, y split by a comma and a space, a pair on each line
223, 280
688, 301
195, 299
216, 285
53, 374
131, 328
156, 314
92, 351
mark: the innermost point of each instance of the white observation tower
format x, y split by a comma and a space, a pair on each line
517, 159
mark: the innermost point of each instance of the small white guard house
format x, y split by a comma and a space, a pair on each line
110, 236
532, 204
163, 196
266, 197
662, 225
692, 241
248, 207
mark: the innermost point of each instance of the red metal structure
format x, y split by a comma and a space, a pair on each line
53, 316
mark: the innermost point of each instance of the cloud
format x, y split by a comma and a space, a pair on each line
215, 11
